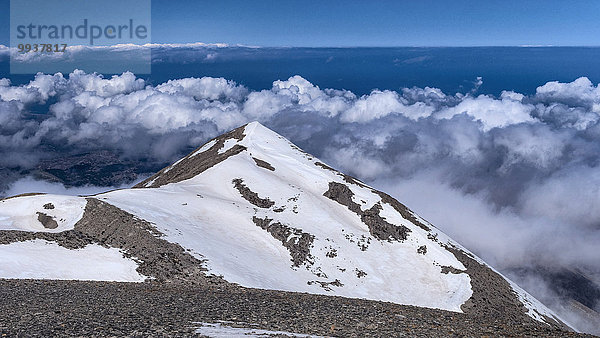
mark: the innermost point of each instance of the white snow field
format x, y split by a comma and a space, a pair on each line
20, 213
39, 259
226, 330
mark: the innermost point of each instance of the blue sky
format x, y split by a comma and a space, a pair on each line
371, 23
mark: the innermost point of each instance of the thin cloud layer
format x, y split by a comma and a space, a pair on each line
28, 184
516, 178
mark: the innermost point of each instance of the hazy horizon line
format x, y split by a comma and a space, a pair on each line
237, 45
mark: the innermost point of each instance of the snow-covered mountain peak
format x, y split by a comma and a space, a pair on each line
253, 139
260, 212
256, 128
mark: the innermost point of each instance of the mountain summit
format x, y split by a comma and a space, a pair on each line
253, 209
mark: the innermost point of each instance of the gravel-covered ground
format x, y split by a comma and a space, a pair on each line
75, 308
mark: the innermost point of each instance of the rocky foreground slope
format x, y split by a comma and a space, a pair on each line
248, 210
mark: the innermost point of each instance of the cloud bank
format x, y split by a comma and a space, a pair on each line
515, 178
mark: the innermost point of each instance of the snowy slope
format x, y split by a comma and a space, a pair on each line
23, 213
208, 215
40, 259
